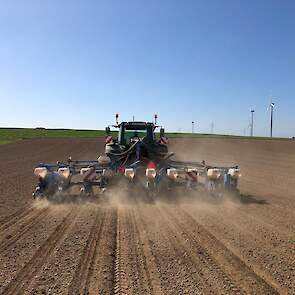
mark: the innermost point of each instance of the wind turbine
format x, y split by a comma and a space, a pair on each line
271, 107
212, 127
193, 126
252, 110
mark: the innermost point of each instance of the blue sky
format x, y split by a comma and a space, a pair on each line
74, 64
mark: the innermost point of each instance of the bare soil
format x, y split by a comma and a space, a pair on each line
192, 246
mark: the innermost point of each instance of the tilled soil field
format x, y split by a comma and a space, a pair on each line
191, 246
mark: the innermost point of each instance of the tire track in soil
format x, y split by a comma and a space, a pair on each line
248, 279
10, 220
209, 274
11, 236
81, 279
149, 261
120, 277
223, 280
177, 272
132, 273
101, 279
28, 272
273, 258
134, 259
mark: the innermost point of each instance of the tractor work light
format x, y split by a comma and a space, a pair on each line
213, 173
129, 173
172, 173
235, 173
64, 172
150, 172
41, 172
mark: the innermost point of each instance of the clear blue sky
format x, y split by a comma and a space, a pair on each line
73, 64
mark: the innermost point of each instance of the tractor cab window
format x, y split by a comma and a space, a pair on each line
132, 136
129, 133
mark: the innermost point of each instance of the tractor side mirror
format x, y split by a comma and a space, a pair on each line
108, 130
162, 132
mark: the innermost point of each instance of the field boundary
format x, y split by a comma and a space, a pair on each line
9, 135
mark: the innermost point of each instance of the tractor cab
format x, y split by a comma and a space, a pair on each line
135, 134
130, 132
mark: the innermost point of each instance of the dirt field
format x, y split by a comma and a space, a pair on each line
192, 247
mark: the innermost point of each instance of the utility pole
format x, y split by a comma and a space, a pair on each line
252, 121
272, 105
